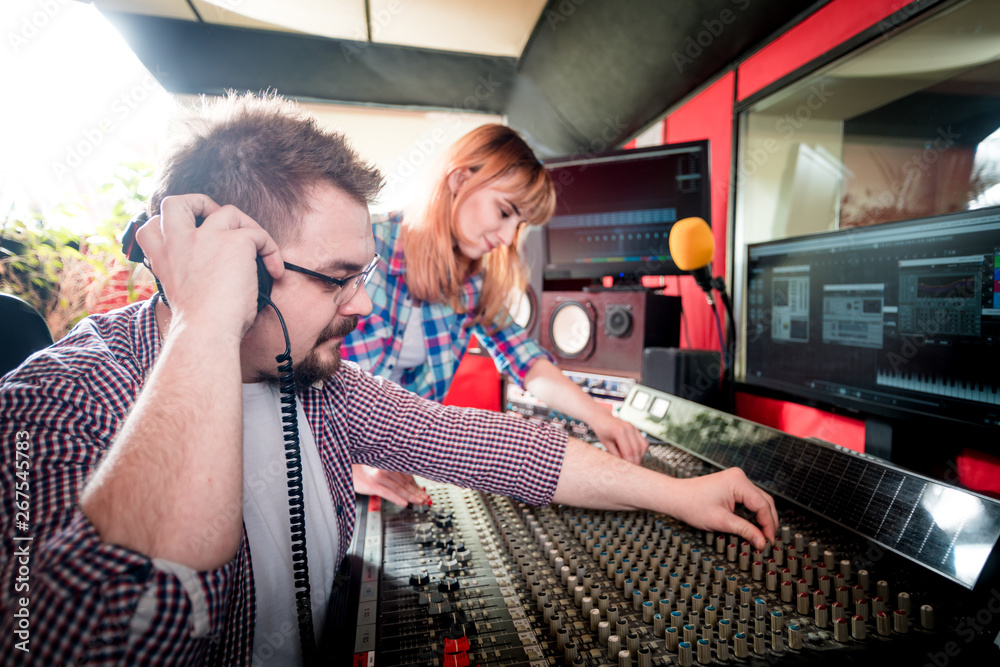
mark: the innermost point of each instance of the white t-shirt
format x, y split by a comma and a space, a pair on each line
265, 513
413, 351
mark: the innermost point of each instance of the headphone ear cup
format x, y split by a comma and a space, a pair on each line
130, 248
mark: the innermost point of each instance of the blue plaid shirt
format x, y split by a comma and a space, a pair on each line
376, 343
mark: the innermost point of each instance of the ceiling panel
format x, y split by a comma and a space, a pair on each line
339, 19
491, 28
173, 9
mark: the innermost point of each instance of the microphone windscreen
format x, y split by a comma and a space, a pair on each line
691, 244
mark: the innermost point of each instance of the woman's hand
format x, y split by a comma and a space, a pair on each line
618, 437
396, 487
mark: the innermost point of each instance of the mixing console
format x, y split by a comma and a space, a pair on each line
479, 579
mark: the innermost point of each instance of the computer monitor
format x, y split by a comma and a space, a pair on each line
614, 211
896, 320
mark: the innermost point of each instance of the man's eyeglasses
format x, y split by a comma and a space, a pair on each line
348, 286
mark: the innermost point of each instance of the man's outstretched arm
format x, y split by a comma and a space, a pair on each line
595, 479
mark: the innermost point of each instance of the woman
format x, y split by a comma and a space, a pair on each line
446, 273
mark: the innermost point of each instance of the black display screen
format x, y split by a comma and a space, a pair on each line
614, 211
893, 319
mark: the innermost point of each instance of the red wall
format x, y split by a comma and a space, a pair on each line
710, 115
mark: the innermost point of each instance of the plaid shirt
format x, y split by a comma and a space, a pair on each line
376, 343
68, 402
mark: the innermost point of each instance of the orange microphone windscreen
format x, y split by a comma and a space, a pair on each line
691, 244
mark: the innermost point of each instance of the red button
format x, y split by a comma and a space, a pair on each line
457, 660
456, 645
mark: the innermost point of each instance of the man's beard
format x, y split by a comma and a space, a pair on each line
312, 369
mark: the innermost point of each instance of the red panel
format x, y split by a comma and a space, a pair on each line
832, 25
802, 421
709, 115
979, 471
476, 383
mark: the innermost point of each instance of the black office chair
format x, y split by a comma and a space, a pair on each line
23, 331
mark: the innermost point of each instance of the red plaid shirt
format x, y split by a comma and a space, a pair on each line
68, 402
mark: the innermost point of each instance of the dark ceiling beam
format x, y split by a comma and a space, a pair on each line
191, 57
597, 72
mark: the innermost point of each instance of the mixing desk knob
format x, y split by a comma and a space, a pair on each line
647, 612
711, 615
845, 568
463, 555
595, 619
645, 657
882, 623
861, 608
882, 589
676, 619
903, 601
548, 611
449, 566
837, 611
794, 636
814, 551
684, 654
570, 652
787, 591
863, 580
555, 624
820, 615
900, 621
449, 584
740, 645
731, 552
744, 560
420, 578
927, 617
624, 659
439, 607
793, 564
612, 614
659, 625
704, 652
689, 633
760, 607
587, 604
828, 559
632, 643
672, 636
578, 595
603, 632
758, 570
725, 629
771, 580
809, 574
858, 628
424, 532
843, 595
840, 629
614, 646
722, 649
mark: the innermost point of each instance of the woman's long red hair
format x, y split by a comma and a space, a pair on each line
435, 267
